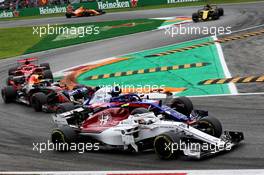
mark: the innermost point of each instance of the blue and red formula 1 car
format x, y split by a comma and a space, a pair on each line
180, 109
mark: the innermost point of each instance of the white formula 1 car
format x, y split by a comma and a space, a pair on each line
115, 128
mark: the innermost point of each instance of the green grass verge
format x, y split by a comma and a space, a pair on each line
15, 41
57, 41
138, 8
18, 41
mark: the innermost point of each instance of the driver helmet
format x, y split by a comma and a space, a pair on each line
27, 62
35, 78
208, 6
116, 91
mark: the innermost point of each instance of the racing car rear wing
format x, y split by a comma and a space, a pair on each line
32, 59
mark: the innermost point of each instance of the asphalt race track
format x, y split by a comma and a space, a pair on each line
21, 126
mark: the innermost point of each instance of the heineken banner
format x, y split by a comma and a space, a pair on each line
100, 4
6, 14
54, 9
112, 4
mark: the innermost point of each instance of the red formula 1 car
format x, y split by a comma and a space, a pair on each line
81, 11
36, 95
19, 74
44, 95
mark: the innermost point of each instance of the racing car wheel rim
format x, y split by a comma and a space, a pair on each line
161, 148
206, 127
57, 137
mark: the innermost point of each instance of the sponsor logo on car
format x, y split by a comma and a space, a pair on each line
104, 119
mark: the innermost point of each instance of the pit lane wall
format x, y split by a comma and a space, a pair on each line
99, 4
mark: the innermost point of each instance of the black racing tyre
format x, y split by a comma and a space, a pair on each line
62, 137
139, 111
100, 11
215, 15
64, 107
195, 17
68, 15
167, 146
87, 14
12, 70
9, 78
183, 105
210, 125
47, 74
9, 94
38, 100
45, 65
221, 11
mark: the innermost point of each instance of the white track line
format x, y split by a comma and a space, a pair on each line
232, 86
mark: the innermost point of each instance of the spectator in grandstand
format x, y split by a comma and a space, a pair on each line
17, 4
11, 6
